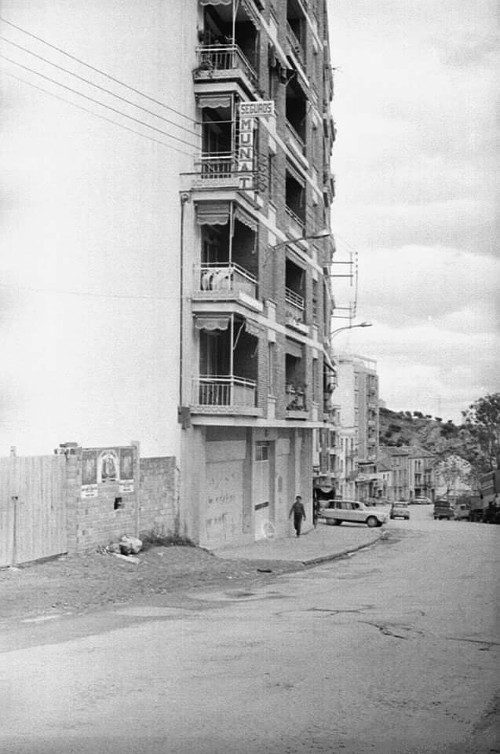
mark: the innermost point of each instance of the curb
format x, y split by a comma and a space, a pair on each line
343, 553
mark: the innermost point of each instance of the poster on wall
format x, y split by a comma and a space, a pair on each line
108, 466
89, 474
126, 464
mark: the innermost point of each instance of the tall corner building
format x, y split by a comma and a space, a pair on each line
256, 303
169, 246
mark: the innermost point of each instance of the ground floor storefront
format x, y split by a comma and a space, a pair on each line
240, 482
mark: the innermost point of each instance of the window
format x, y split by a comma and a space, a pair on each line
262, 451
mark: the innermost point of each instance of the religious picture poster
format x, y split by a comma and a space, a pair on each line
126, 464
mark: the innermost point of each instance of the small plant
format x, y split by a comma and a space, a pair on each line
172, 539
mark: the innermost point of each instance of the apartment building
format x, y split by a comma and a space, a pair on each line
171, 243
357, 396
256, 252
422, 480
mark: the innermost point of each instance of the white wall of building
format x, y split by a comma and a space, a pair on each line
89, 258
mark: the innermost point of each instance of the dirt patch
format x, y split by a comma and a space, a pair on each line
84, 582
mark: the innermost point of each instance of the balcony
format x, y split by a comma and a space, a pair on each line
296, 402
220, 62
217, 170
294, 311
294, 141
213, 394
296, 45
295, 225
216, 281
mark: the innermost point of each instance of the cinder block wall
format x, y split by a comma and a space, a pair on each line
96, 521
158, 497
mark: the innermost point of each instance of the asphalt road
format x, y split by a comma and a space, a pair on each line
391, 651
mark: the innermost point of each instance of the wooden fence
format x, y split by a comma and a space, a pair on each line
32, 508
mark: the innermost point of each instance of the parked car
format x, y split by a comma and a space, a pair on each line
400, 510
461, 512
422, 501
354, 511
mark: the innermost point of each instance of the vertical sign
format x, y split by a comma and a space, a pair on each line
249, 112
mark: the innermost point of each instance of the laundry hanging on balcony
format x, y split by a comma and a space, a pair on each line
211, 323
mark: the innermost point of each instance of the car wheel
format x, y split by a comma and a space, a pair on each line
337, 522
372, 521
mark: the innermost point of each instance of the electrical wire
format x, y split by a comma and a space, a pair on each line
97, 115
97, 86
85, 294
97, 70
98, 102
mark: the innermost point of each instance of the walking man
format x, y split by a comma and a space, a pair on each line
299, 514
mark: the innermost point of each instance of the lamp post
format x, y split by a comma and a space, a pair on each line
350, 327
325, 233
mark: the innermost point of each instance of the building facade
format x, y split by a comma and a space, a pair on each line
170, 243
357, 396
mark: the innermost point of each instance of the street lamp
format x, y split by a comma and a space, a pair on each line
350, 327
325, 233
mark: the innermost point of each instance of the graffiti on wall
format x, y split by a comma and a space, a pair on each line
224, 500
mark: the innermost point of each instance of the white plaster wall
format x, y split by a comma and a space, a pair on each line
89, 233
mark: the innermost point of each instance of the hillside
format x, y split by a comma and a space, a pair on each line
399, 428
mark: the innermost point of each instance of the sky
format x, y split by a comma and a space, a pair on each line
416, 162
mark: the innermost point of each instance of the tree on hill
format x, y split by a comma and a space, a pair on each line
482, 420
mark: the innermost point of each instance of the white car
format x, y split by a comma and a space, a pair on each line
354, 511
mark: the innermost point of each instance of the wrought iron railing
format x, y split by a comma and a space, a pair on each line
216, 165
295, 136
230, 391
296, 45
223, 58
217, 277
294, 306
295, 224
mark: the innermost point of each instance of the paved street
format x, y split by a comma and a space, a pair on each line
391, 650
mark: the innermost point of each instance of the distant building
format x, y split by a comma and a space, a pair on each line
357, 396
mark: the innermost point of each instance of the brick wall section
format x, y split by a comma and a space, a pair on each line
158, 499
94, 522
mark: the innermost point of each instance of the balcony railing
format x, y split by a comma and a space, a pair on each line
295, 224
216, 391
294, 306
217, 165
215, 61
224, 278
296, 45
292, 133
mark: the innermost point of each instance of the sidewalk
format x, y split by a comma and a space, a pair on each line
313, 546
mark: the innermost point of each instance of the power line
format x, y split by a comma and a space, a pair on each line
102, 88
97, 70
92, 99
85, 294
97, 115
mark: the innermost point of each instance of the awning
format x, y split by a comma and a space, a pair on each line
216, 2
295, 174
253, 329
211, 323
212, 213
294, 348
246, 219
214, 101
